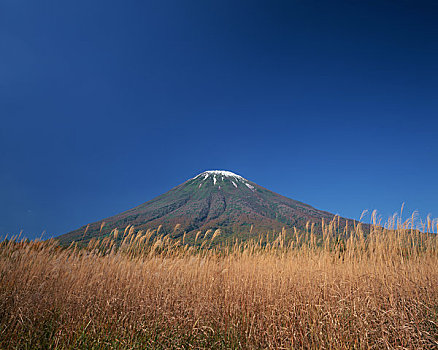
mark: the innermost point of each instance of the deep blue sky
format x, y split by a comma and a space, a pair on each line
107, 104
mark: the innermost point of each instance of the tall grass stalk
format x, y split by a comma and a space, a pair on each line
344, 289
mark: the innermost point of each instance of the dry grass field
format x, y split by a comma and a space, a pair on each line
136, 290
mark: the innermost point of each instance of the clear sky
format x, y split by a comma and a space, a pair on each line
107, 104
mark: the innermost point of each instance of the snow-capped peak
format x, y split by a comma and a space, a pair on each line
221, 176
223, 173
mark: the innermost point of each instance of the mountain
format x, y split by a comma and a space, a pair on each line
211, 200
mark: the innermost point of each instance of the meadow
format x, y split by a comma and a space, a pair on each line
342, 289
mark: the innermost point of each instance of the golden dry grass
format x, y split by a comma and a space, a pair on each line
341, 290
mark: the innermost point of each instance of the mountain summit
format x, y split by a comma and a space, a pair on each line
211, 200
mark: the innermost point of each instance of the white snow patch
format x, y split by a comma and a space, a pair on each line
249, 186
223, 173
